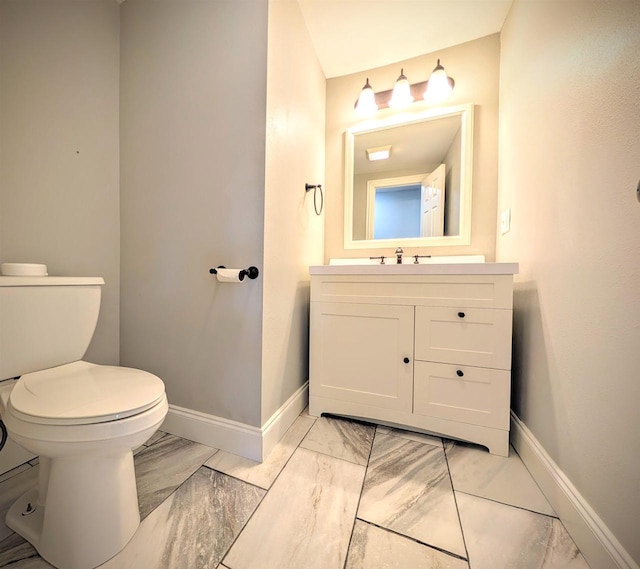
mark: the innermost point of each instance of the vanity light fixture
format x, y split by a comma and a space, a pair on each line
378, 153
434, 90
366, 104
401, 95
439, 84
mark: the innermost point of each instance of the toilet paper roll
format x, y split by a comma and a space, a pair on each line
230, 275
23, 270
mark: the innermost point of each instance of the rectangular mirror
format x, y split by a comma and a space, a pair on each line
408, 180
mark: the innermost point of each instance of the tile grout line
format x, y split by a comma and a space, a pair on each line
423, 543
224, 556
446, 552
226, 553
355, 517
277, 475
233, 477
513, 448
177, 487
507, 505
455, 501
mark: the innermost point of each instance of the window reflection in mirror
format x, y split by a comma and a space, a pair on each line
421, 193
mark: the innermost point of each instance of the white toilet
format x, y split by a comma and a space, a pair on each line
82, 419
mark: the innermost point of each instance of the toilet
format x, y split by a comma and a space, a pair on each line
82, 419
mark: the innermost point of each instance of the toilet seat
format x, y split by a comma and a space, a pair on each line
81, 393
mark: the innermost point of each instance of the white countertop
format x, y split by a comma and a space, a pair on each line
422, 269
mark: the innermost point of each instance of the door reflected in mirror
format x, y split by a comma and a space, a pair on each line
419, 192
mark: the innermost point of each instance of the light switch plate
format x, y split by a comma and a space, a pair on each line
505, 221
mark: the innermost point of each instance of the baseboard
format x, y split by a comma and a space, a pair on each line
597, 543
278, 424
251, 442
217, 432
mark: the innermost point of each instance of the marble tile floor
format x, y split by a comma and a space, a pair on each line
334, 494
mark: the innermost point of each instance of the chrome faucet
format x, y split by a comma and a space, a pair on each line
399, 253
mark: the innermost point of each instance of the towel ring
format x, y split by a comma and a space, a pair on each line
315, 188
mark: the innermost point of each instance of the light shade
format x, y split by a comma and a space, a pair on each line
366, 103
439, 85
401, 96
378, 153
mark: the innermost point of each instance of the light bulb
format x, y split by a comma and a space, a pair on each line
366, 104
439, 85
401, 95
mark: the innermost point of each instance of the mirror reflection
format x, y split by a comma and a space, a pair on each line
409, 182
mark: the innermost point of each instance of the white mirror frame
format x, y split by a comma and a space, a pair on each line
466, 162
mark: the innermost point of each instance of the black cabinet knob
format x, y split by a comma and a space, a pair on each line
406, 360
460, 373
461, 314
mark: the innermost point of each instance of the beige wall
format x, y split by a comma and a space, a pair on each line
569, 166
193, 122
293, 233
59, 146
475, 68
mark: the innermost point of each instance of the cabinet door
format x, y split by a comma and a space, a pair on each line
478, 396
358, 354
466, 336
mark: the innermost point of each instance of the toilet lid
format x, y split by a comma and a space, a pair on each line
83, 393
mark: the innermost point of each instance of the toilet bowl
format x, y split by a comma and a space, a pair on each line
82, 419
85, 508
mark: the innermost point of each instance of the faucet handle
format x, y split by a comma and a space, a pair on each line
398, 254
416, 257
381, 259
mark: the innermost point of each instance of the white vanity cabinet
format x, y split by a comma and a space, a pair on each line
425, 347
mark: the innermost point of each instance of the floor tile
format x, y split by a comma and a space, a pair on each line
376, 548
192, 514
194, 527
263, 474
475, 471
10, 490
162, 467
503, 537
340, 438
410, 435
17, 553
305, 520
155, 438
407, 489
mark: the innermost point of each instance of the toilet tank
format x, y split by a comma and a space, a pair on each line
46, 321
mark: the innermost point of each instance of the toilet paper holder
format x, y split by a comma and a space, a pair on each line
251, 272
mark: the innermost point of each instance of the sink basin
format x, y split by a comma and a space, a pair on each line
409, 260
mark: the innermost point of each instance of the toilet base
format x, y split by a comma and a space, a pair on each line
86, 513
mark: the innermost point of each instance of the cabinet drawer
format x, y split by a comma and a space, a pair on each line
476, 291
479, 396
466, 336
358, 354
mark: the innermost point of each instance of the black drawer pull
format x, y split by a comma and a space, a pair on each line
460, 373
406, 360
461, 314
